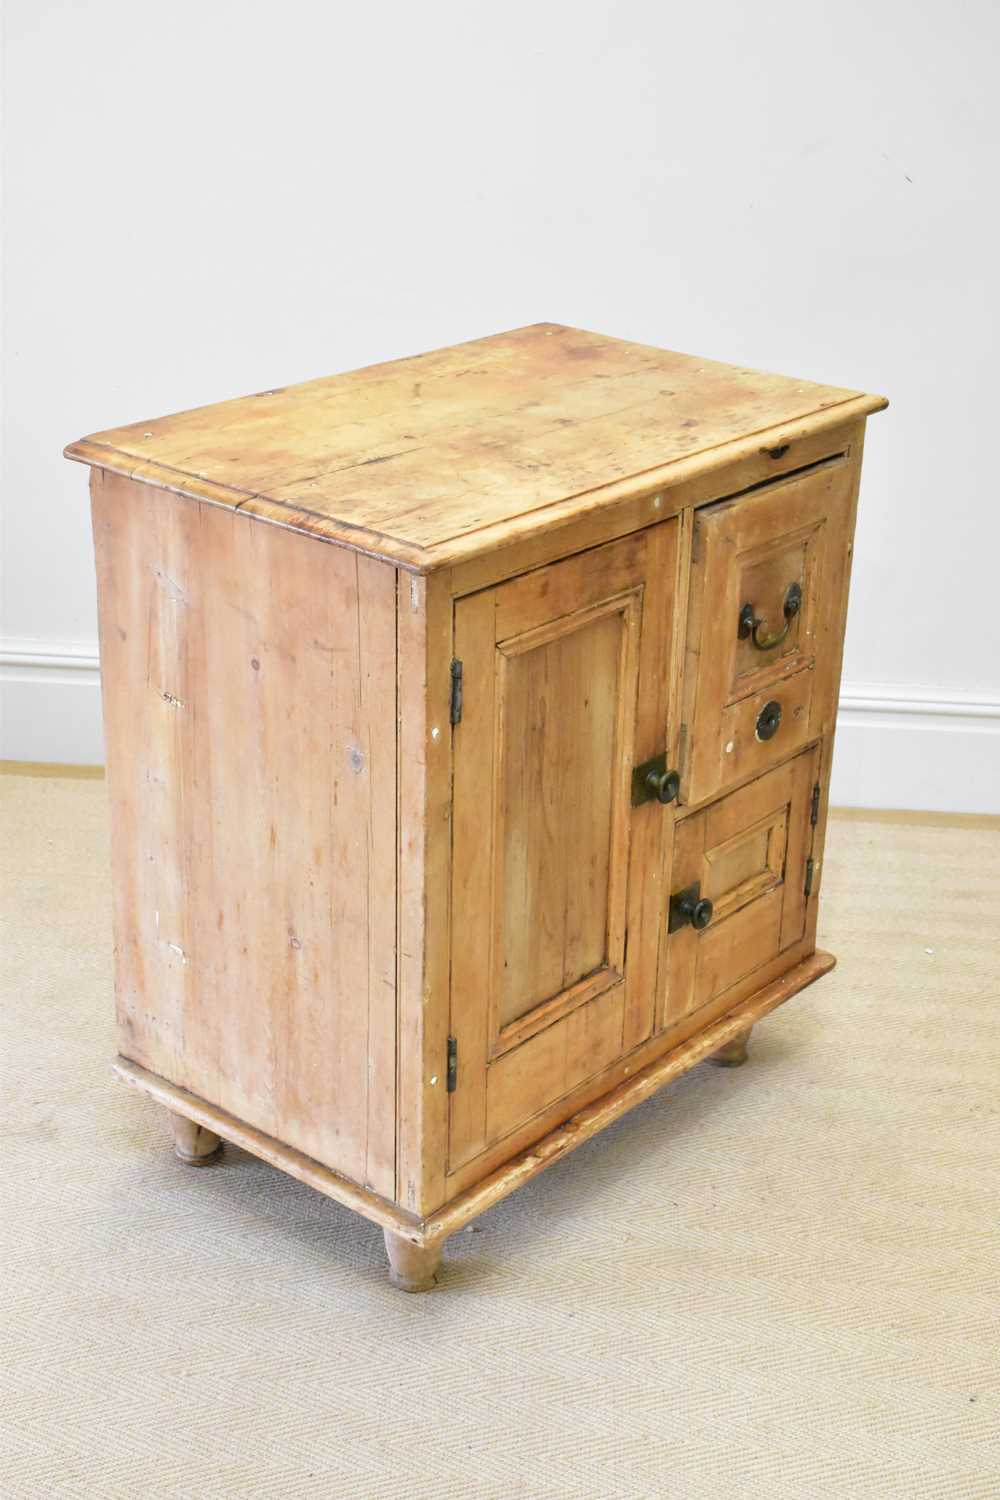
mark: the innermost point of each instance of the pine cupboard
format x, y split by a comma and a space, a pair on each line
469, 722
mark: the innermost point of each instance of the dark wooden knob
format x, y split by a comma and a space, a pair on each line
664, 785
689, 908
698, 913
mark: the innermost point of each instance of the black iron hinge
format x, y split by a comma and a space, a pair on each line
456, 692
452, 1074
809, 877
814, 806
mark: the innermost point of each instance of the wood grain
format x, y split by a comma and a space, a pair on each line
747, 853
250, 721
611, 1105
748, 551
324, 886
425, 820
446, 455
566, 682
431, 1230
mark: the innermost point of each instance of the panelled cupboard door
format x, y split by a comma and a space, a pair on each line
746, 855
764, 624
558, 881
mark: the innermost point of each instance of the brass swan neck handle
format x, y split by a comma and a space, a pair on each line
754, 626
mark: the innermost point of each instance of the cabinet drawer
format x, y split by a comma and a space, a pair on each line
745, 856
764, 624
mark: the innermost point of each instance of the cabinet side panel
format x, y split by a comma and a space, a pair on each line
249, 691
829, 685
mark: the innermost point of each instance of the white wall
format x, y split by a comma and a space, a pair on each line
205, 199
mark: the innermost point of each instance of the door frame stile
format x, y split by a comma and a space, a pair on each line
424, 761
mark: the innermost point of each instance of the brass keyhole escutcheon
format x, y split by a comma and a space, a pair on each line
768, 720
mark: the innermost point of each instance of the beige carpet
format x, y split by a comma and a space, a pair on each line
779, 1281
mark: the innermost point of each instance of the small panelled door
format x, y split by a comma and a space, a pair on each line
558, 881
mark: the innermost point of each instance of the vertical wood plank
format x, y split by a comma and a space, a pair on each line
377, 605
652, 825
475, 813
424, 657
253, 786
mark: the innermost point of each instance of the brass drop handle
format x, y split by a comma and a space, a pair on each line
751, 624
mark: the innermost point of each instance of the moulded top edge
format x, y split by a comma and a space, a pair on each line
436, 457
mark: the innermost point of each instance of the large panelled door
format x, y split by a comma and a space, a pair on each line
558, 882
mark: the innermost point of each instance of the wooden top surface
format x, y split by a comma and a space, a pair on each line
441, 456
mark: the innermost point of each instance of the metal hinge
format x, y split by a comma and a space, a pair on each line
814, 806
456, 692
452, 1074
809, 877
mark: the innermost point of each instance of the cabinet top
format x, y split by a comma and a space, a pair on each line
441, 456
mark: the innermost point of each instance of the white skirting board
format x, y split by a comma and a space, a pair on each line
926, 749
50, 702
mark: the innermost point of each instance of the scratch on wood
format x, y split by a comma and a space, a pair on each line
175, 591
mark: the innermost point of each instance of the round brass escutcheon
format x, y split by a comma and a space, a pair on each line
768, 720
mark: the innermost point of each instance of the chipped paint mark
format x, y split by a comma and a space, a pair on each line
657, 501
414, 595
435, 733
174, 702
293, 941
435, 1078
356, 760
730, 747
176, 948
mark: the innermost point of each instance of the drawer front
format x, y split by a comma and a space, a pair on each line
764, 625
738, 888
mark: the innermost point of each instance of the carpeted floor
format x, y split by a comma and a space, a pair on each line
779, 1281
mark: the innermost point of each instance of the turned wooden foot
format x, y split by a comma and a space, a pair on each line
413, 1268
734, 1052
193, 1144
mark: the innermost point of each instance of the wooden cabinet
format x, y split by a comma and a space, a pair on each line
469, 723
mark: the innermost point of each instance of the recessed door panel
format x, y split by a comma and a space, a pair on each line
561, 699
565, 688
745, 856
